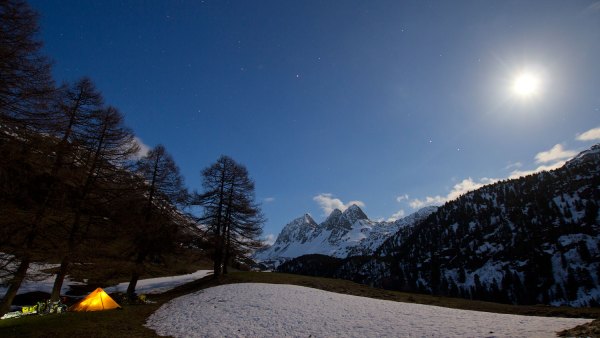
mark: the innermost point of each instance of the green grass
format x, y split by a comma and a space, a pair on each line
129, 321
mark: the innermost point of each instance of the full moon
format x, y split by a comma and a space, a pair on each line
526, 85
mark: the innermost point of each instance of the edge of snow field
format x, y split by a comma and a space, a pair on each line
260, 309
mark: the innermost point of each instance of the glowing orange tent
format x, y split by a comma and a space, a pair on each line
98, 300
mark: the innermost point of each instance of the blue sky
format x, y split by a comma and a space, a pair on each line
391, 104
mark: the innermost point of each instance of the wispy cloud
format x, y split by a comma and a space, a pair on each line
328, 203
593, 8
590, 135
144, 148
397, 215
269, 199
513, 165
402, 198
546, 167
464, 186
555, 154
429, 200
547, 160
269, 239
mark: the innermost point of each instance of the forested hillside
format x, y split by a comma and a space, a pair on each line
79, 189
525, 241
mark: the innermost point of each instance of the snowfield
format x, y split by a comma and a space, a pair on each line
160, 284
271, 310
37, 280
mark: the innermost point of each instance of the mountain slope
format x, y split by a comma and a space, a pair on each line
530, 240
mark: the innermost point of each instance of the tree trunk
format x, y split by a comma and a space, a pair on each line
218, 263
14, 286
225, 261
227, 248
66, 260
135, 276
60, 277
227, 230
218, 259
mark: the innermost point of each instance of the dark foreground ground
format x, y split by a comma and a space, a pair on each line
129, 321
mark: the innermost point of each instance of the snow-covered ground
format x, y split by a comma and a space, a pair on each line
37, 280
160, 284
269, 310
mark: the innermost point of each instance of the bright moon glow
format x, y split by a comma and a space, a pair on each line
526, 85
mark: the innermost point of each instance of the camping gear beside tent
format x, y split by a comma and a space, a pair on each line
98, 300
41, 308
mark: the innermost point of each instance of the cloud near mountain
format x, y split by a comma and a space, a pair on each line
327, 202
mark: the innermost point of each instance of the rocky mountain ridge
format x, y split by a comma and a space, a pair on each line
342, 234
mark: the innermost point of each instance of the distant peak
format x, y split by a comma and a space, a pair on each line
353, 207
308, 218
336, 213
354, 213
304, 219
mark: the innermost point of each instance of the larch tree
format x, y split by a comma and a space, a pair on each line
233, 219
47, 158
25, 79
25, 88
243, 219
161, 190
106, 147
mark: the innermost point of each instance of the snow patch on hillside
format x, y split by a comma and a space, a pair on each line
40, 281
160, 284
269, 310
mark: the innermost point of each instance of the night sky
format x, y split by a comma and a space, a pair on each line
390, 104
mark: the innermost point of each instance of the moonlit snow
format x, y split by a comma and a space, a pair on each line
38, 280
160, 284
270, 310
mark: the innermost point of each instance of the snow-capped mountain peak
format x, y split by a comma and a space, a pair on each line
342, 234
354, 213
298, 229
333, 221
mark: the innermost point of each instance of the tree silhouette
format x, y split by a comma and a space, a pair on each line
25, 88
107, 146
162, 189
25, 81
233, 218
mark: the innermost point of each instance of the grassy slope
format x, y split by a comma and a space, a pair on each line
129, 321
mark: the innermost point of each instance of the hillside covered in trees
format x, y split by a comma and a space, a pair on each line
76, 189
530, 240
